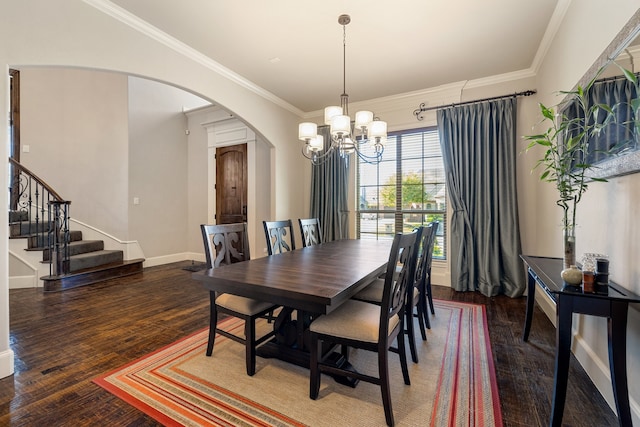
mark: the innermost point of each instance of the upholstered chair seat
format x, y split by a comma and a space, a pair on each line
246, 306
354, 320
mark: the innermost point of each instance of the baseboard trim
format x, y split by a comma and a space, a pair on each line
6, 363
168, 259
21, 282
598, 371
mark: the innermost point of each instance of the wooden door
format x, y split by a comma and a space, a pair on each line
231, 184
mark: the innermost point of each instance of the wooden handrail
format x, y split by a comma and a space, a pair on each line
38, 179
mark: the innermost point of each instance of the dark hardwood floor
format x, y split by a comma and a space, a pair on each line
64, 340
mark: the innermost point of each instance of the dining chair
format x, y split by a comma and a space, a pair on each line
226, 244
425, 289
374, 293
358, 324
310, 231
279, 235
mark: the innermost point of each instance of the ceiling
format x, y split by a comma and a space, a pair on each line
294, 49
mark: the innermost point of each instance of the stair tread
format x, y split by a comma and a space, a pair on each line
103, 267
96, 253
77, 247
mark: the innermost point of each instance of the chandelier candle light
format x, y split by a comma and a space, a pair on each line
371, 133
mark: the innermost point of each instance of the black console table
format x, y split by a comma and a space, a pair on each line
614, 305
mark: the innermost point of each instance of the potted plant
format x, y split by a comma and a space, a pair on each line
565, 162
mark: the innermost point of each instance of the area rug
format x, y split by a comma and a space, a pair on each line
452, 385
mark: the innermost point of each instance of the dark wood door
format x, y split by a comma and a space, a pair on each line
231, 184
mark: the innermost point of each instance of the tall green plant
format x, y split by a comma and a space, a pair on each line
566, 143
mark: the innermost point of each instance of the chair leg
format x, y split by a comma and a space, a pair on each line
411, 332
423, 306
430, 296
314, 370
385, 387
345, 352
421, 322
250, 345
213, 323
422, 312
402, 352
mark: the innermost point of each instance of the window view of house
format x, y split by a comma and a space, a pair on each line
405, 190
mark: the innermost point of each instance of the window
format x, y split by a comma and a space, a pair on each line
405, 190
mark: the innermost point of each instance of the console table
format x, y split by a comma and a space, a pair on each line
614, 305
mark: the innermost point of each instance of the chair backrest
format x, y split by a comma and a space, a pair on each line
310, 231
432, 242
279, 235
399, 275
225, 243
422, 266
423, 233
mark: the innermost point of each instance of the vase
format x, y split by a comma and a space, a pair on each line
569, 247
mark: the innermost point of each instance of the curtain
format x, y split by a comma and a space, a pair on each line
478, 150
619, 136
329, 192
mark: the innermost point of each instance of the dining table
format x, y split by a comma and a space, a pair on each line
306, 282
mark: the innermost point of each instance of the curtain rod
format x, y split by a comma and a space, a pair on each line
422, 108
621, 76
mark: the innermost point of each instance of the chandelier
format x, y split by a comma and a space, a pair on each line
368, 136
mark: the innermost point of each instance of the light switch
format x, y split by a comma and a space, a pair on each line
136, 200
25, 148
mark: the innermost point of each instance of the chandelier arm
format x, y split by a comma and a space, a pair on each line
318, 158
370, 159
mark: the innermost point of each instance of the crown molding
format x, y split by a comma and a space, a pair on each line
132, 21
550, 33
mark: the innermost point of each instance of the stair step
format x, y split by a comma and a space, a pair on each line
78, 247
18, 216
27, 228
33, 244
92, 275
94, 259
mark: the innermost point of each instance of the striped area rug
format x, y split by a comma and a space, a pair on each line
452, 385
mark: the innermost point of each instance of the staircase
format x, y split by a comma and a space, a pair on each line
88, 261
78, 262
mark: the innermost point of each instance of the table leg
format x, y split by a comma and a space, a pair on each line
564, 314
531, 298
617, 334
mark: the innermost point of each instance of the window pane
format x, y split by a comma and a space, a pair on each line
389, 205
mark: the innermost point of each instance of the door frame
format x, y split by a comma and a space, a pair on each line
259, 177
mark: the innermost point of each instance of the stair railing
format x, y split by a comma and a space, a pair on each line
41, 213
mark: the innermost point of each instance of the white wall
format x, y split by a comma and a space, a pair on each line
607, 220
158, 164
75, 33
76, 127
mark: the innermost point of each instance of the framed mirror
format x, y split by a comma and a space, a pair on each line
623, 51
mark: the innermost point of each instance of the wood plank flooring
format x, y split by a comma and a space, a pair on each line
64, 340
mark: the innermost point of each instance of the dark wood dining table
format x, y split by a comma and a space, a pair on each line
311, 281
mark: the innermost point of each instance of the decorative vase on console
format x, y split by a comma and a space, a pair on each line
569, 241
